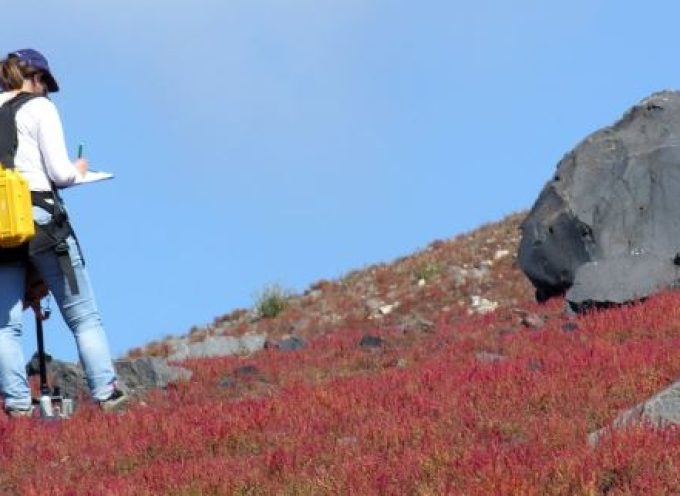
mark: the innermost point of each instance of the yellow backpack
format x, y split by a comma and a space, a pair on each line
16, 212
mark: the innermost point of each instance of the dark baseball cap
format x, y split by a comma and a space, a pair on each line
34, 58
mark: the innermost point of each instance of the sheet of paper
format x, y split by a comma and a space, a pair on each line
91, 177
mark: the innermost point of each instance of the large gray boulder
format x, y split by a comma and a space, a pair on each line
661, 410
606, 228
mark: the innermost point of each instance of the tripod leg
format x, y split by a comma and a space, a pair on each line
44, 388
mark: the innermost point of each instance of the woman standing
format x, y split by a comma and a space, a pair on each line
54, 253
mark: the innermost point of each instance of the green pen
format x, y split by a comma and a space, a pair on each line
80, 150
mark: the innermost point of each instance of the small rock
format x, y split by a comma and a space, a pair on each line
369, 342
421, 283
459, 275
507, 330
489, 357
226, 382
414, 322
246, 371
501, 254
314, 294
481, 273
570, 327
532, 321
387, 309
292, 343
535, 366
373, 305
300, 325
402, 363
482, 305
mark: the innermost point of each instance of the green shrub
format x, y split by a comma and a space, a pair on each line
272, 300
427, 271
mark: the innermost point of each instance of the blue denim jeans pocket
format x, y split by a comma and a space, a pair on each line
41, 216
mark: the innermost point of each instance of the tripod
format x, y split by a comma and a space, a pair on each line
52, 405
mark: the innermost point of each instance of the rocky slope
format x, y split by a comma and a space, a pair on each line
473, 273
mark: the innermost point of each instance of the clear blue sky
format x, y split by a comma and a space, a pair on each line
286, 141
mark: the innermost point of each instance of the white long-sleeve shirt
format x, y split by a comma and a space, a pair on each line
41, 154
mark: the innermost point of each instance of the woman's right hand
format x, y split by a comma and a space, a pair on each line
82, 165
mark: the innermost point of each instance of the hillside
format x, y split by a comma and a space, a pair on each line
434, 374
451, 279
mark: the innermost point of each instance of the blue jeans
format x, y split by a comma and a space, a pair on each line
79, 312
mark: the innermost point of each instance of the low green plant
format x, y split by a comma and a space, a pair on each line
272, 300
427, 271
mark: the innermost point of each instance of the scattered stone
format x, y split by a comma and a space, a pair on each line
348, 440
421, 283
247, 371
227, 382
402, 363
570, 327
373, 305
291, 343
532, 321
482, 305
489, 357
300, 325
371, 342
507, 330
535, 366
501, 254
481, 273
387, 309
314, 294
415, 322
459, 275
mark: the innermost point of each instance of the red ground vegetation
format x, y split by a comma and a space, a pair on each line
413, 417
474, 405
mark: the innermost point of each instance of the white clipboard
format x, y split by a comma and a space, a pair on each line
90, 177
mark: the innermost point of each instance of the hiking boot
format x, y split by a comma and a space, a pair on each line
115, 402
19, 413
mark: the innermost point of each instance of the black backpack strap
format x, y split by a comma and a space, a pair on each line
9, 141
8, 148
20, 98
